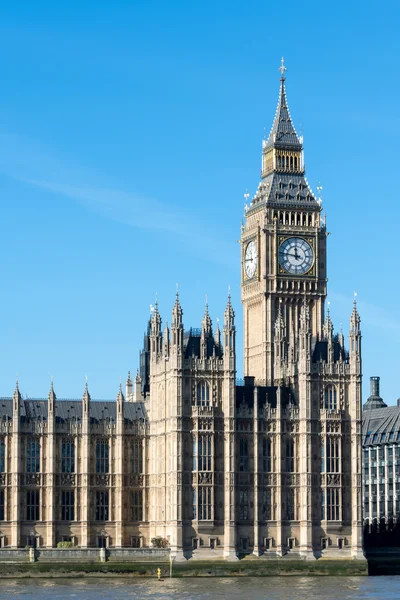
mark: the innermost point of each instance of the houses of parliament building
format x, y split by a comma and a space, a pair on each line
188, 455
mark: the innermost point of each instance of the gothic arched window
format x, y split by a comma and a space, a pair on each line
33, 455
243, 455
68, 456
290, 455
203, 394
102, 456
266, 455
136, 456
330, 398
2, 455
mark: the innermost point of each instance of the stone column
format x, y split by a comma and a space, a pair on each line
119, 471
257, 500
278, 472
51, 470
85, 470
16, 471
305, 439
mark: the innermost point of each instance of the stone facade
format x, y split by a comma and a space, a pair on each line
381, 460
208, 465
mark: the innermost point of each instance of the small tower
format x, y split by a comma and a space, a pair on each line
206, 333
16, 403
229, 335
86, 402
155, 334
305, 339
128, 388
138, 387
51, 402
279, 346
177, 328
355, 337
328, 335
120, 403
166, 341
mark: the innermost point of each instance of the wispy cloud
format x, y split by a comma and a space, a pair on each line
371, 314
29, 163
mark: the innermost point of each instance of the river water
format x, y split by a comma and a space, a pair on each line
233, 588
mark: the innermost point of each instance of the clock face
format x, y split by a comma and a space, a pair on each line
296, 256
250, 259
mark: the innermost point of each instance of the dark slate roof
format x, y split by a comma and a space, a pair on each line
283, 133
284, 189
320, 351
34, 409
374, 402
381, 425
192, 341
266, 394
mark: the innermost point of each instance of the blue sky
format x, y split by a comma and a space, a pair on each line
129, 133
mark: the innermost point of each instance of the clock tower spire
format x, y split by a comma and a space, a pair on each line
283, 247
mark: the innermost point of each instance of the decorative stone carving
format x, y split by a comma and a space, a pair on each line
32, 479
102, 479
67, 479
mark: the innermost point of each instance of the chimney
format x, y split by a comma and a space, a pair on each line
374, 386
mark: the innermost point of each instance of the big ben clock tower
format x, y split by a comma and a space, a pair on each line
283, 249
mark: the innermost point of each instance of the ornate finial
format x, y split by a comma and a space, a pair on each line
282, 69
319, 190
177, 289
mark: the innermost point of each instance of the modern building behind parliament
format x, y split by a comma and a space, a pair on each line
270, 465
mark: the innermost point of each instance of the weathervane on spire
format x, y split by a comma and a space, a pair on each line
282, 69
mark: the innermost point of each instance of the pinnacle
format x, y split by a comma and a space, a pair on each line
51, 392
206, 324
17, 393
120, 393
86, 394
283, 132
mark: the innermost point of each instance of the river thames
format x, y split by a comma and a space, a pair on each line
269, 588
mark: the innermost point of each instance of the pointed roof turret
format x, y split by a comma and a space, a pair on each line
279, 324
217, 335
155, 320
283, 133
229, 315
120, 396
304, 317
17, 397
52, 395
328, 325
86, 395
177, 312
282, 172
206, 324
355, 318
